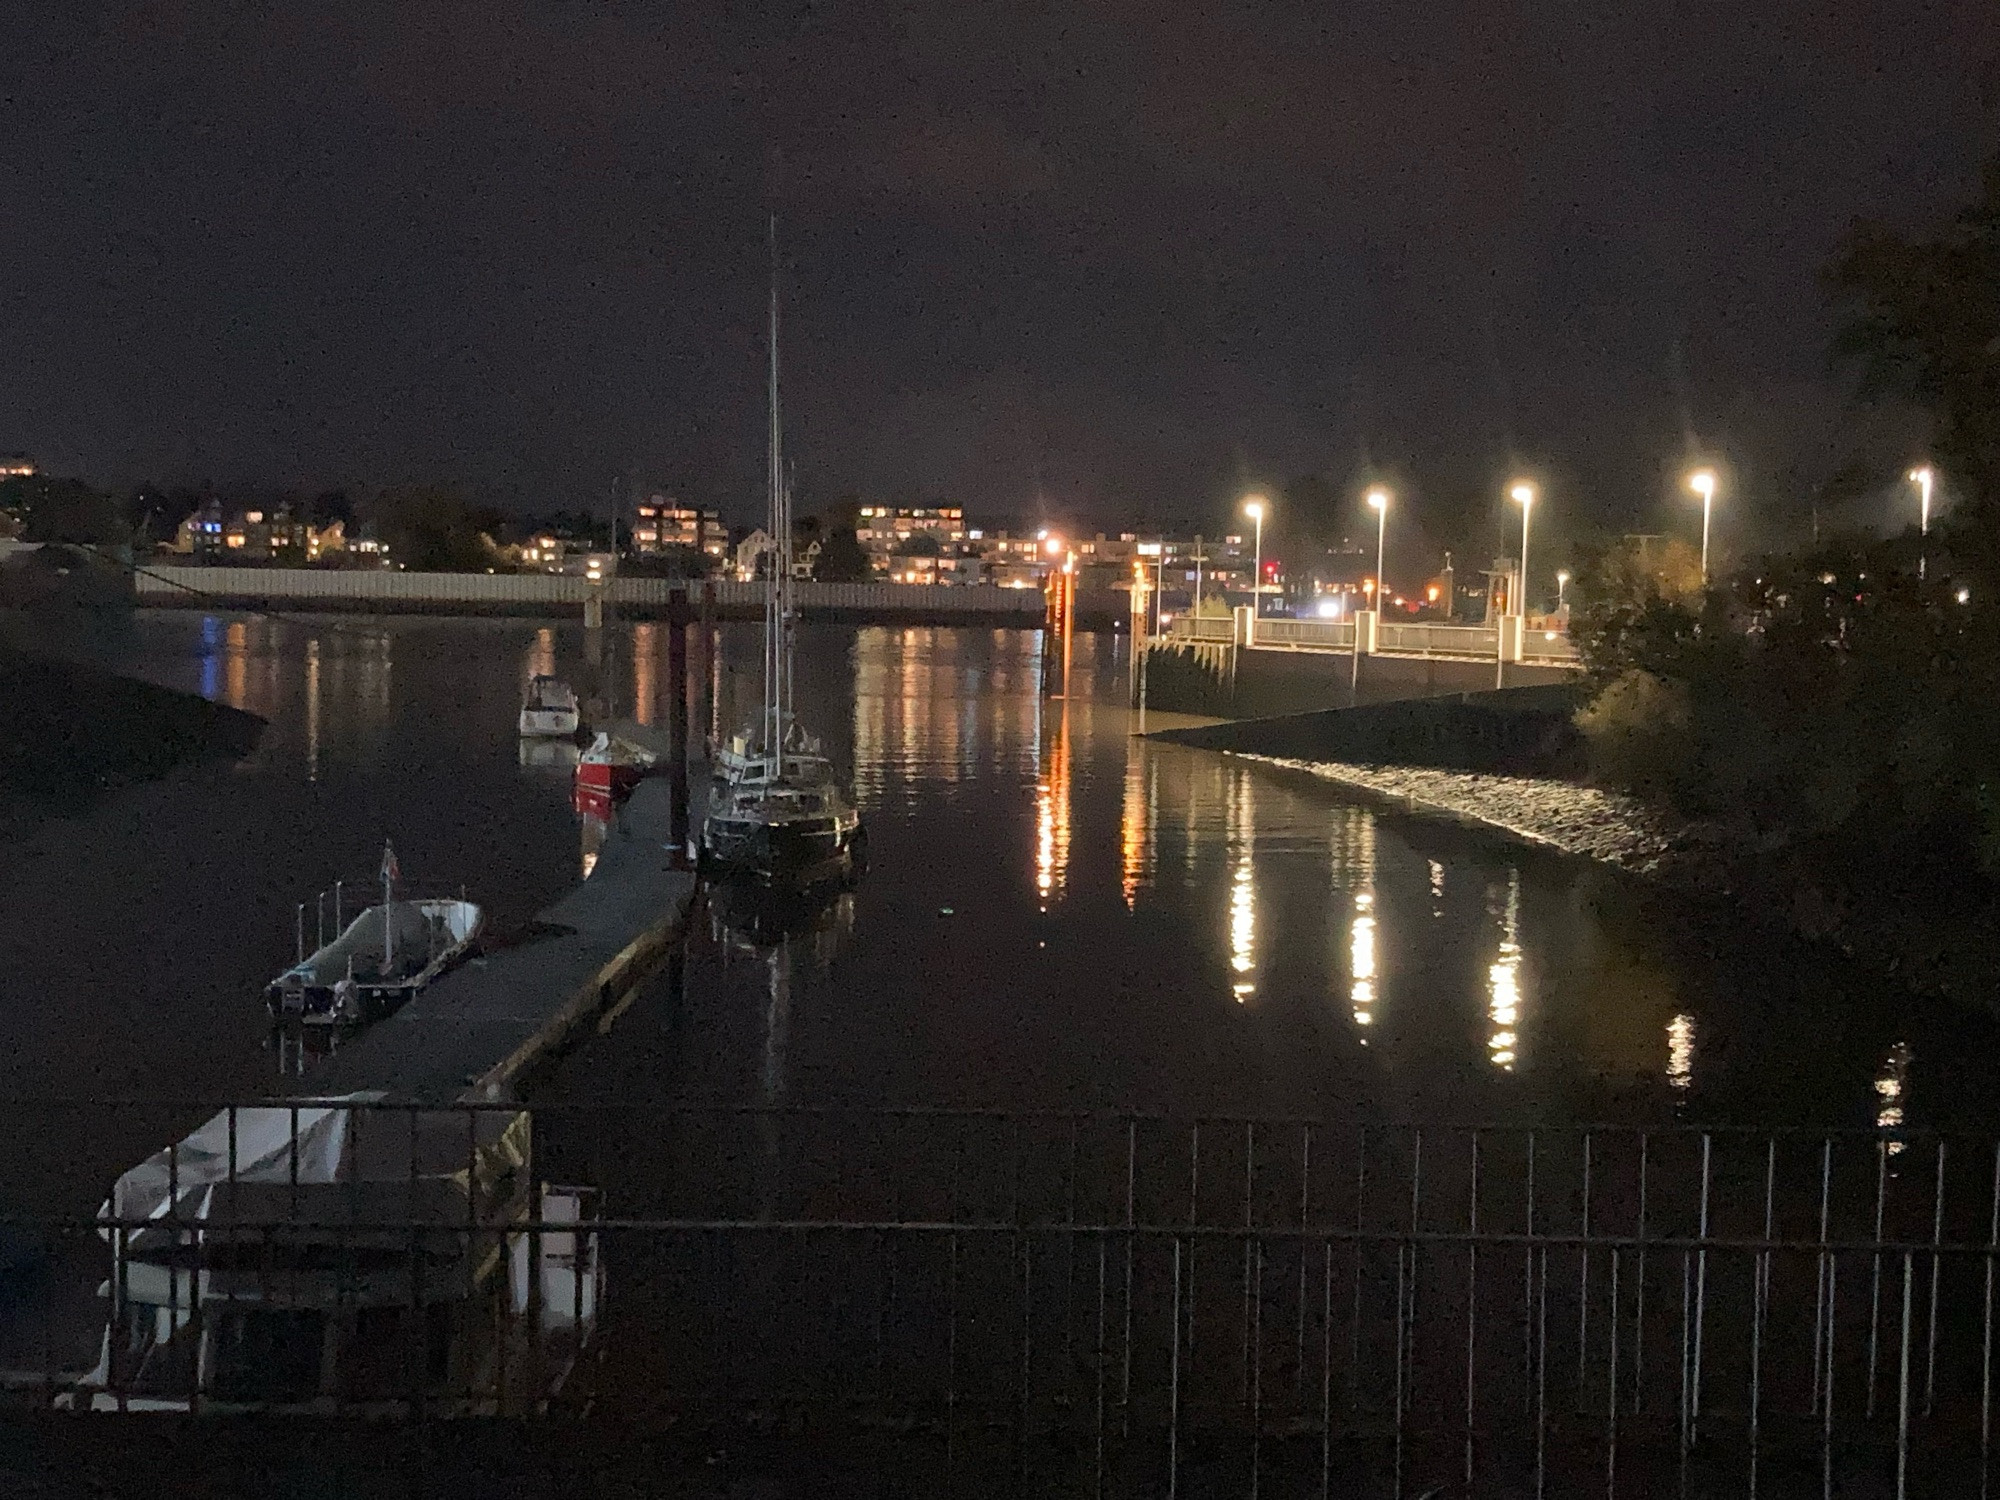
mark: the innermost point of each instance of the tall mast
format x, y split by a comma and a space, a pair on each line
774, 622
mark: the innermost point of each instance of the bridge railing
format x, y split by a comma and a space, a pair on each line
1203, 628
1323, 635
1438, 640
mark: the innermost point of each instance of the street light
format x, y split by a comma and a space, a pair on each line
1378, 499
1702, 482
1562, 586
1253, 507
1523, 495
1922, 478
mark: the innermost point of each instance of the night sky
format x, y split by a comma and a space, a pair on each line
1106, 260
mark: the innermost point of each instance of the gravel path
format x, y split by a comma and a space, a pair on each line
1582, 820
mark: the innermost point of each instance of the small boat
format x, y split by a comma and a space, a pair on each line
549, 709
609, 769
378, 961
240, 1285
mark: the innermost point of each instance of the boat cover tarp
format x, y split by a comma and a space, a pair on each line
424, 929
344, 1162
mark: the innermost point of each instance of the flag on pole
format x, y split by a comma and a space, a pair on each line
391, 871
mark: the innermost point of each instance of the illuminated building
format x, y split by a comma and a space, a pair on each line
660, 524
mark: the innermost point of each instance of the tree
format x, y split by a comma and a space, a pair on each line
63, 510
1922, 322
429, 529
842, 559
330, 506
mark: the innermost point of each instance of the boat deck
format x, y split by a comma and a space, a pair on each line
472, 1032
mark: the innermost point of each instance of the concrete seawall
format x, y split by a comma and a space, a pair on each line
1261, 682
382, 591
1522, 731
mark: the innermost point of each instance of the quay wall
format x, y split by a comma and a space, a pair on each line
1516, 731
1255, 682
386, 591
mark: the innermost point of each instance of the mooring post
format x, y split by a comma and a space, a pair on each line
678, 617
710, 681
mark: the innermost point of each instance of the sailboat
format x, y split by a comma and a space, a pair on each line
776, 809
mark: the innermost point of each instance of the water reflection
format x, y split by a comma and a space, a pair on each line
1680, 1052
1136, 821
1242, 842
645, 671
1052, 813
1361, 959
312, 709
1503, 983
1892, 1083
540, 658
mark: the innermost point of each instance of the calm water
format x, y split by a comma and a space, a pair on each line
1058, 915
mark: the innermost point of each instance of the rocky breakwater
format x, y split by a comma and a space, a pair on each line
1581, 820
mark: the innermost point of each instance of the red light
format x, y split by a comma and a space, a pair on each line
1271, 569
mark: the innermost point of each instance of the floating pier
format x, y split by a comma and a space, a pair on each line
473, 1032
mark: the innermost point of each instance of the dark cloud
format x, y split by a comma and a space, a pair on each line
1099, 257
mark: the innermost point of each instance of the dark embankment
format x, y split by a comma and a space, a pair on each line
73, 730
1523, 731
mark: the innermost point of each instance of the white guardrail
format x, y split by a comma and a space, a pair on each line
158, 585
1463, 642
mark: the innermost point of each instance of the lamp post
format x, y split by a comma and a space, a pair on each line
1523, 495
1702, 482
1378, 501
1562, 589
1253, 507
1922, 478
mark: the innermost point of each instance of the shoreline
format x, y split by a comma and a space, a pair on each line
1604, 827
1927, 956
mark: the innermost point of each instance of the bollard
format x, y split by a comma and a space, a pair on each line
677, 716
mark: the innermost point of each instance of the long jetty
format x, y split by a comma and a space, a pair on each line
473, 1033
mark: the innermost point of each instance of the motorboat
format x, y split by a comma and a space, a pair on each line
607, 771
776, 808
377, 962
549, 709
341, 1256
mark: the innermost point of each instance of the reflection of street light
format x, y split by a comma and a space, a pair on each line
1702, 482
1523, 495
1253, 507
1922, 478
1378, 499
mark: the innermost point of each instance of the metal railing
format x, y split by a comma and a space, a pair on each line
1203, 628
1126, 1304
1321, 635
1438, 640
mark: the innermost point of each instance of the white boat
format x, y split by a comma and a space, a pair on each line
269, 1261
549, 708
378, 961
776, 808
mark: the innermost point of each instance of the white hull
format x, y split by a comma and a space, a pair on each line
549, 709
539, 723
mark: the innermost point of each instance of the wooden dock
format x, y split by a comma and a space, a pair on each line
473, 1032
